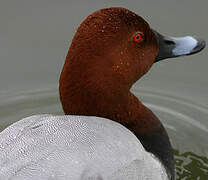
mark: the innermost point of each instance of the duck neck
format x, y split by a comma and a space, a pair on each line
151, 133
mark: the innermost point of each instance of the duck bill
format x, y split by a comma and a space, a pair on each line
170, 47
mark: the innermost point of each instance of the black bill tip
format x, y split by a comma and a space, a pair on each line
200, 45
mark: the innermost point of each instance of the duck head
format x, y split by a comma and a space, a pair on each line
110, 51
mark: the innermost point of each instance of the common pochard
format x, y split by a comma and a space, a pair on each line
107, 133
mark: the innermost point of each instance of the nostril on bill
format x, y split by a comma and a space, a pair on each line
168, 42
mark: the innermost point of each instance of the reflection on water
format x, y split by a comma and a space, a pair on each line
185, 121
190, 166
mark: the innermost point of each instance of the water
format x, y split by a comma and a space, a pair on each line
190, 166
185, 121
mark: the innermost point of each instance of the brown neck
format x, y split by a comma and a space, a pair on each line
121, 107
138, 118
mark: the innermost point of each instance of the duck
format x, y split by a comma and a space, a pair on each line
106, 132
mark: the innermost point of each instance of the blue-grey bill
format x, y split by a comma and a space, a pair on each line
170, 47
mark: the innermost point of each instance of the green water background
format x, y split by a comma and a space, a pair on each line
190, 166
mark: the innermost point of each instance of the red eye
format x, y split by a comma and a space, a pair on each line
138, 37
